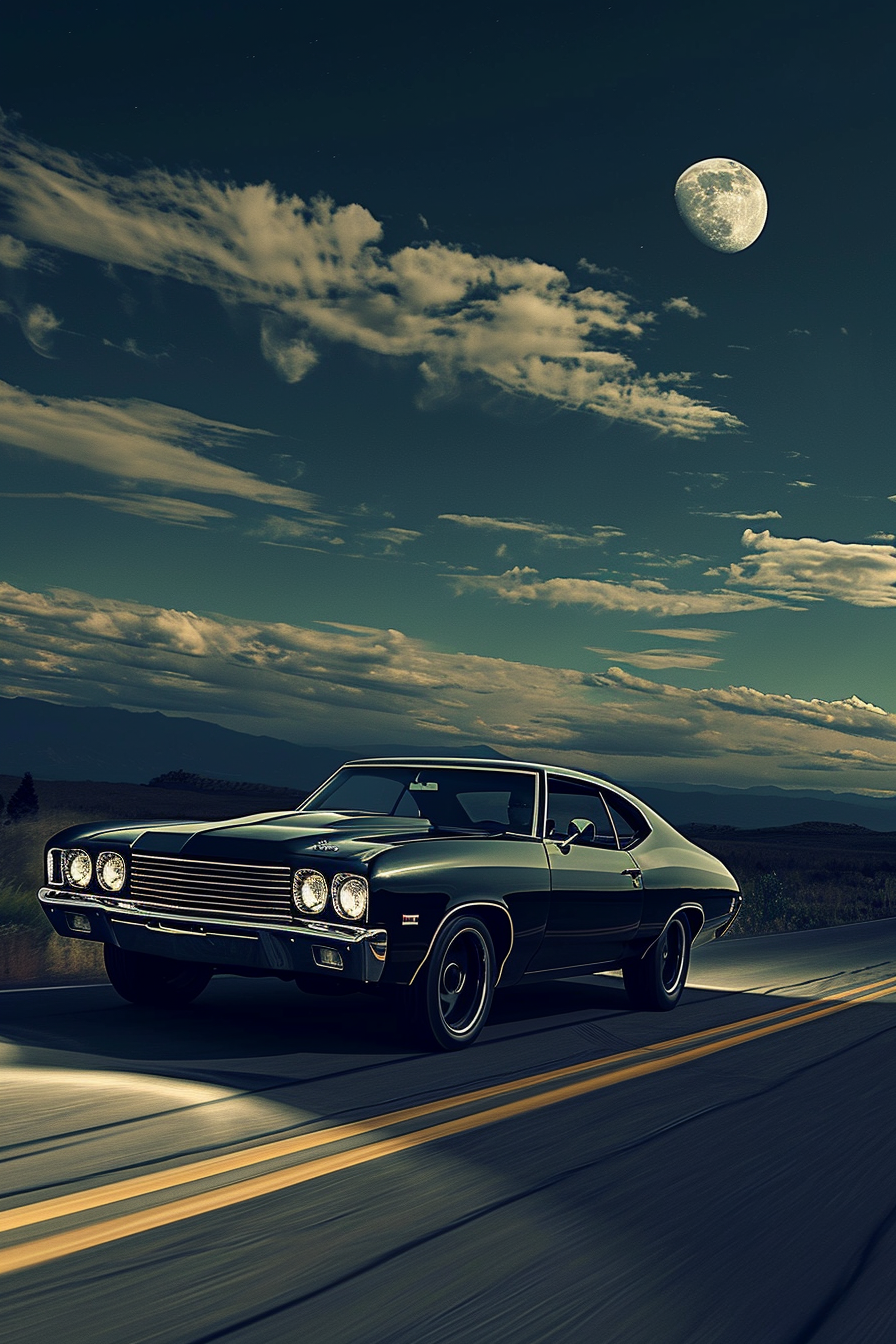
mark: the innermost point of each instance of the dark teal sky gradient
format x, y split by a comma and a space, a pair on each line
549, 134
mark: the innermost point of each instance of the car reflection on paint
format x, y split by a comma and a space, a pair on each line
434, 880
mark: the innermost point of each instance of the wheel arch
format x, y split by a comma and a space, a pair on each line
693, 913
496, 918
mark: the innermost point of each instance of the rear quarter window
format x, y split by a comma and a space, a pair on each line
631, 825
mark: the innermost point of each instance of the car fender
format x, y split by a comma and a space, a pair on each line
696, 917
484, 911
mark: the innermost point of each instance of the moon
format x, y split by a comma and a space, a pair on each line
723, 203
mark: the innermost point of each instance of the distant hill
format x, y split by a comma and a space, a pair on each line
752, 809
60, 742
118, 745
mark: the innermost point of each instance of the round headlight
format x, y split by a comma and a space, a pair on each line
350, 895
78, 868
309, 891
110, 871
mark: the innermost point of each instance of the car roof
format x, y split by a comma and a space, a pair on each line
486, 762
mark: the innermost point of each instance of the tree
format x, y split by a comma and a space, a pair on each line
23, 802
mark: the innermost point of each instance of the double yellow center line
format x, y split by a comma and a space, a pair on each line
489, 1106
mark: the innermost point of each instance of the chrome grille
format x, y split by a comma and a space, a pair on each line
243, 891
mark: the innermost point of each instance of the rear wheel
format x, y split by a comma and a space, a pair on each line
157, 982
656, 981
452, 993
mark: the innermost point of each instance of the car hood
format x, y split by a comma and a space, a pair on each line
267, 837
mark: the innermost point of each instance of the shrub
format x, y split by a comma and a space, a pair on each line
23, 802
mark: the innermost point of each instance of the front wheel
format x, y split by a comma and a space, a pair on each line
656, 981
452, 993
154, 982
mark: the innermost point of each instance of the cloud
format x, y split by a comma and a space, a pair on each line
543, 532
291, 357
809, 570
321, 272
654, 659
39, 325
348, 684
129, 346
698, 635
607, 272
396, 536
160, 508
683, 305
137, 441
523, 585
881, 536
851, 715
742, 517
13, 252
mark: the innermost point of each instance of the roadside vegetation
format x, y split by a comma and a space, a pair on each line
29, 948
811, 876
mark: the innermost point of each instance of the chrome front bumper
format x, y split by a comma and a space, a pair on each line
282, 949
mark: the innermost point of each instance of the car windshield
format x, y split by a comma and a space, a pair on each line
447, 797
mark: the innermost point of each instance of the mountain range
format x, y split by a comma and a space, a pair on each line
73, 743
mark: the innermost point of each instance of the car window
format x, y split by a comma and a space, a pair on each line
450, 796
631, 826
501, 806
567, 800
369, 792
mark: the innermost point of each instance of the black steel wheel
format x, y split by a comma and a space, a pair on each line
656, 981
155, 982
452, 992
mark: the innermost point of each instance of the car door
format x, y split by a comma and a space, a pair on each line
596, 896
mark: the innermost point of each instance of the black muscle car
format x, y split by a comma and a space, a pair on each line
431, 879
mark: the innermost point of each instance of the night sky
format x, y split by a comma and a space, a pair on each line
361, 384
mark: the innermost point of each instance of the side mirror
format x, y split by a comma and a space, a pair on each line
581, 832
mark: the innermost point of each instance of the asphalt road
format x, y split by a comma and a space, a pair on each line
268, 1166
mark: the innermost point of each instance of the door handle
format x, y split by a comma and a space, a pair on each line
636, 877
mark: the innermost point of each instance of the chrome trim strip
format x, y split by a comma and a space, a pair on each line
469, 905
71, 901
217, 863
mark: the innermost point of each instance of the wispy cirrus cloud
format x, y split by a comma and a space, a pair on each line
741, 517
522, 584
318, 273
656, 659
550, 533
698, 635
348, 684
136, 440
808, 570
159, 508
